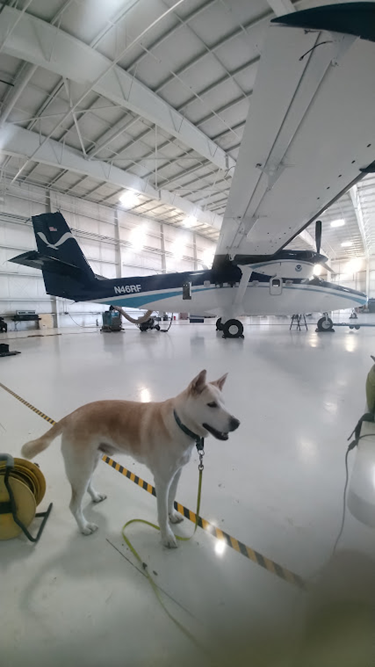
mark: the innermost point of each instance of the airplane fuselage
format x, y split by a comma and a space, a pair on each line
281, 284
213, 292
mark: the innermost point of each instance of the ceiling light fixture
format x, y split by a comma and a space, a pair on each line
129, 199
338, 223
190, 221
347, 244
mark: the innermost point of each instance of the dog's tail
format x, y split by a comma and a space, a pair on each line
34, 447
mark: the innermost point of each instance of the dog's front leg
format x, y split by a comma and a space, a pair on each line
162, 486
174, 516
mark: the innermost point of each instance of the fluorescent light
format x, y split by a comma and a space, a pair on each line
137, 237
347, 244
208, 257
338, 223
317, 270
178, 249
190, 221
129, 199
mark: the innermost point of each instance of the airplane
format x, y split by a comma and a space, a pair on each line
307, 140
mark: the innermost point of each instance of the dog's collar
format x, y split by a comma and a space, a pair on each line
199, 441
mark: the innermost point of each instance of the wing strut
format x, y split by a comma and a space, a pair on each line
246, 273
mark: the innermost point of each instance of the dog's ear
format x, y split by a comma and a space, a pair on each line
197, 385
220, 382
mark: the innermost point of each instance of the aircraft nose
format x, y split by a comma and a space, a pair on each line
234, 423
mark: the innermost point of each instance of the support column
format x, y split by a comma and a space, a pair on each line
163, 260
195, 255
162, 247
118, 246
54, 299
368, 277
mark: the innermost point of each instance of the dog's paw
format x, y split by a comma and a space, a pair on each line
175, 517
99, 498
170, 541
89, 528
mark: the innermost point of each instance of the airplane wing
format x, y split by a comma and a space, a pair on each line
309, 134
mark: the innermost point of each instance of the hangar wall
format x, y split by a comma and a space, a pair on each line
356, 273
115, 242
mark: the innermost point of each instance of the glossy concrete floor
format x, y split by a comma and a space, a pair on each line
276, 485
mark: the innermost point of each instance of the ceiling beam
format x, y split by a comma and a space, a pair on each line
281, 7
15, 93
365, 236
27, 72
124, 123
19, 142
42, 44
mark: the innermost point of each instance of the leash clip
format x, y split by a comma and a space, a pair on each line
200, 449
201, 453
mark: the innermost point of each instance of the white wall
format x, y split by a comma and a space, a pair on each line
352, 273
133, 248
372, 277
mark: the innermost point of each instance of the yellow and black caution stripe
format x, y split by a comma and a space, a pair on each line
28, 405
230, 541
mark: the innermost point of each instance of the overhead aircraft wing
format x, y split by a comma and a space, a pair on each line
310, 130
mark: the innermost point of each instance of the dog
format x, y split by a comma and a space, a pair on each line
160, 435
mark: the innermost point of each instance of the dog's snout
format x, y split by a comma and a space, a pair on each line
234, 423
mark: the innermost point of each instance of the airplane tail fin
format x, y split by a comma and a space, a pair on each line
65, 269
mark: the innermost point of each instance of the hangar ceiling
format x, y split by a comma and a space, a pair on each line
144, 99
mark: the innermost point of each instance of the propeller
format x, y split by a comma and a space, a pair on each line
318, 235
318, 243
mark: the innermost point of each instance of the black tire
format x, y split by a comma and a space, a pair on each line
219, 326
325, 324
232, 329
357, 327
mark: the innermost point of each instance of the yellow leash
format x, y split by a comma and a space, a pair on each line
153, 584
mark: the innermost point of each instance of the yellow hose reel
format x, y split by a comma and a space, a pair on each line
22, 488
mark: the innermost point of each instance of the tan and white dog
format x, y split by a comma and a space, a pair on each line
160, 435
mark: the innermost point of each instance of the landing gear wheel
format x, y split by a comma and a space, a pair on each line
232, 329
219, 326
325, 324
